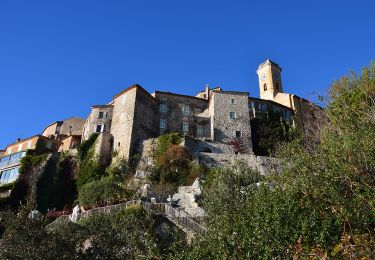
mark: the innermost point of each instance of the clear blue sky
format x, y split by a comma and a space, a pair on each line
57, 58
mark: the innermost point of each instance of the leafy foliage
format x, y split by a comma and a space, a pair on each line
89, 167
85, 147
127, 234
269, 131
56, 188
173, 166
102, 192
164, 142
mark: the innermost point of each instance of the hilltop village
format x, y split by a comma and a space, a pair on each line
215, 126
217, 175
211, 121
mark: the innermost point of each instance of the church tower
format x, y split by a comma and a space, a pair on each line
269, 74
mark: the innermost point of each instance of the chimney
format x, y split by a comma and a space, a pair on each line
18, 139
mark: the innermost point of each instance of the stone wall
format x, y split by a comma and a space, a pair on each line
122, 121
103, 148
93, 120
175, 117
224, 128
144, 126
265, 165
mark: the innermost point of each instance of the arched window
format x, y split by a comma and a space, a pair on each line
265, 86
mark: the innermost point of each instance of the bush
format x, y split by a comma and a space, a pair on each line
85, 147
164, 142
89, 167
101, 193
174, 166
270, 131
121, 170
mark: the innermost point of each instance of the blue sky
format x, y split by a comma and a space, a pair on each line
57, 58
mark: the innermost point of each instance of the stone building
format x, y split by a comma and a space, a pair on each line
99, 121
270, 85
68, 131
214, 120
10, 160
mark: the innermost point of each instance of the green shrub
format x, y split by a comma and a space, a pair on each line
121, 170
31, 161
85, 147
89, 167
102, 192
269, 131
89, 170
164, 142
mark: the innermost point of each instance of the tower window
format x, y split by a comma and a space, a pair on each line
238, 134
232, 115
265, 87
200, 130
185, 126
163, 108
101, 115
99, 129
232, 101
163, 123
185, 110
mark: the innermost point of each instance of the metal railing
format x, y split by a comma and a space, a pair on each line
107, 209
184, 220
177, 216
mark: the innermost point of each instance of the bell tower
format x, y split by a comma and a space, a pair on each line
269, 74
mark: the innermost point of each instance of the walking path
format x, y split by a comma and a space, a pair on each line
179, 217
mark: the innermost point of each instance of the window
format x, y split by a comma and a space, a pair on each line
265, 87
185, 110
9, 175
99, 129
20, 147
238, 134
163, 108
232, 101
200, 130
232, 115
252, 104
101, 115
185, 126
164, 98
49, 145
163, 123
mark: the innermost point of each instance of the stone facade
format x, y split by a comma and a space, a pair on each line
61, 129
99, 121
182, 114
265, 165
229, 112
133, 120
